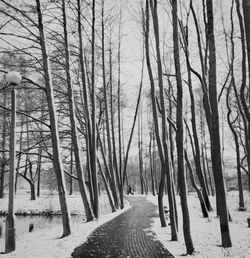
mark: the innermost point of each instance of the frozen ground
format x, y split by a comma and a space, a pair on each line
206, 231
46, 243
49, 203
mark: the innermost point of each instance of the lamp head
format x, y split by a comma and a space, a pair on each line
13, 78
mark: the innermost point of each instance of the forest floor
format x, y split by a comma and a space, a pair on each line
206, 231
46, 243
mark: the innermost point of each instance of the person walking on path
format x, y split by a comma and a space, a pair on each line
127, 235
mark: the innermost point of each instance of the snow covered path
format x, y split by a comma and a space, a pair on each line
126, 236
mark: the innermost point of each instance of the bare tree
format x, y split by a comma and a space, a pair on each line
57, 162
179, 135
215, 132
74, 134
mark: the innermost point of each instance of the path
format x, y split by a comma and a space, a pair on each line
125, 235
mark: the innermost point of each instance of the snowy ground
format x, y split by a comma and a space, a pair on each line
46, 243
49, 203
206, 231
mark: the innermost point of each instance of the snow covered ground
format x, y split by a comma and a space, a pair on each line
49, 204
46, 243
206, 231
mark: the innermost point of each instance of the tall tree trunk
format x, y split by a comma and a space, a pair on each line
74, 134
167, 162
155, 118
107, 120
230, 122
119, 111
179, 135
86, 103
197, 156
140, 152
117, 174
215, 133
246, 13
93, 133
57, 162
237, 150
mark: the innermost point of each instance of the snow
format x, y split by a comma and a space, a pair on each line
46, 243
206, 231
49, 203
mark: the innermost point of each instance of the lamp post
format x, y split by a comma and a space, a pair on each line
13, 79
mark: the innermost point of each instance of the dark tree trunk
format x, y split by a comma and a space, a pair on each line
38, 171
246, 13
155, 118
197, 155
179, 135
93, 160
215, 133
151, 165
196, 187
107, 118
74, 134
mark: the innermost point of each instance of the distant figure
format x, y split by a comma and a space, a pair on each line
31, 227
166, 211
130, 190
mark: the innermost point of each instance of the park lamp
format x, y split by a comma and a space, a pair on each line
13, 79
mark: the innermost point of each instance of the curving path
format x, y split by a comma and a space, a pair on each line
125, 235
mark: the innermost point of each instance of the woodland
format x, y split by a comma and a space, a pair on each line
148, 95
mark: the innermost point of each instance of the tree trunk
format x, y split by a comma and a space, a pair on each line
38, 171
107, 120
179, 135
57, 162
111, 201
197, 156
196, 187
93, 133
246, 13
151, 164
117, 174
119, 112
74, 135
155, 118
165, 139
215, 133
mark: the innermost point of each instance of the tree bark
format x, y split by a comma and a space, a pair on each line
107, 119
215, 133
165, 140
179, 135
155, 118
197, 155
57, 162
74, 134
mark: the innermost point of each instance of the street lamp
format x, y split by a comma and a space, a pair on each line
13, 79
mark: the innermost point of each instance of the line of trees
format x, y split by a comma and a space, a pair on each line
193, 27
71, 112
69, 117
